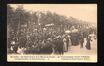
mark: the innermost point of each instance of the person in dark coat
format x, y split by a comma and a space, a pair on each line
59, 44
81, 39
67, 42
88, 45
54, 42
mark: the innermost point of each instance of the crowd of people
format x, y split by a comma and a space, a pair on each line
56, 43
45, 32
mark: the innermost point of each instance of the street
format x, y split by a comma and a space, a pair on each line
83, 51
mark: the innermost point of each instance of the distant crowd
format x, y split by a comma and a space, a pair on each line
56, 43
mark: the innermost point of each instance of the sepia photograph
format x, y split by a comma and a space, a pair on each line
52, 33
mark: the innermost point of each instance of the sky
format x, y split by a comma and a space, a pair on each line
85, 12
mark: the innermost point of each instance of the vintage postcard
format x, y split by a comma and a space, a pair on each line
52, 33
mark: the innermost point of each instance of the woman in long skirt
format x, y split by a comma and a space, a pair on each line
88, 44
65, 45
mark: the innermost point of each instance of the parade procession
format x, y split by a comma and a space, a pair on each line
47, 33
